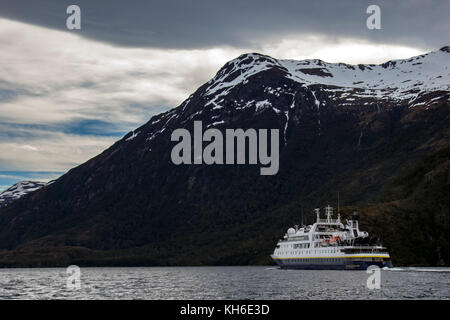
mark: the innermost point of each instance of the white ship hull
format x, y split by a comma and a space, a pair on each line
334, 263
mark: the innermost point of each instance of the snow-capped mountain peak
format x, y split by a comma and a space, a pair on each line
253, 83
18, 190
400, 80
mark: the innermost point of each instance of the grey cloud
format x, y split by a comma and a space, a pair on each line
193, 24
9, 91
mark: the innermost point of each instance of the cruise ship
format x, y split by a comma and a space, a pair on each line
329, 244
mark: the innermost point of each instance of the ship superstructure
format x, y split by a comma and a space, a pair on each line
329, 244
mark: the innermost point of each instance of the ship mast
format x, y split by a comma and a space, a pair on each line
317, 210
338, 204
339, 212
329, 211
302, 224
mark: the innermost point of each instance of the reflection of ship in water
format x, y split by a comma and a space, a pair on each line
329, 244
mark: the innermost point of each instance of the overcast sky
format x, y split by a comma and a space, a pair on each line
66, 95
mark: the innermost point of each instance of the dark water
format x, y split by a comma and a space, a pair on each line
223, 283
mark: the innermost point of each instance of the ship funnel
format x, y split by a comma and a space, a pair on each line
354, 220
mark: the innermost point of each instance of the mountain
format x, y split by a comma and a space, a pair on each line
378, 134
18, 190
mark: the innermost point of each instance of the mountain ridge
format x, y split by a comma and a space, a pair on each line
19, 190
237, 70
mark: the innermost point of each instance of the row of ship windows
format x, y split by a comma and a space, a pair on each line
301, 245
334, 259
315, 260
295, 245
315, 237
310, 251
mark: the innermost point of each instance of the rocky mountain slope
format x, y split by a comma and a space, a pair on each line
365, 131
18, 190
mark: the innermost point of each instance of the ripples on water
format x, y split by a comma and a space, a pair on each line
224, 283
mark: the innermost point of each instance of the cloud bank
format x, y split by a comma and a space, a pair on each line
199, 24
67, 95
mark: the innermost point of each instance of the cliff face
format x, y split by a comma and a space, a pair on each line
375, 133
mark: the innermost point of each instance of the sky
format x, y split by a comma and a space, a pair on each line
66, 95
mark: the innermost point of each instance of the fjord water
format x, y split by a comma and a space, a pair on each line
223, 283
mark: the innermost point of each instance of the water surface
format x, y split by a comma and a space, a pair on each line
223, 283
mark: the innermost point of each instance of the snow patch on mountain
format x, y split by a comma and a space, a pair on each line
261, 105
133, 135
403, 79
18, 190
398, 78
